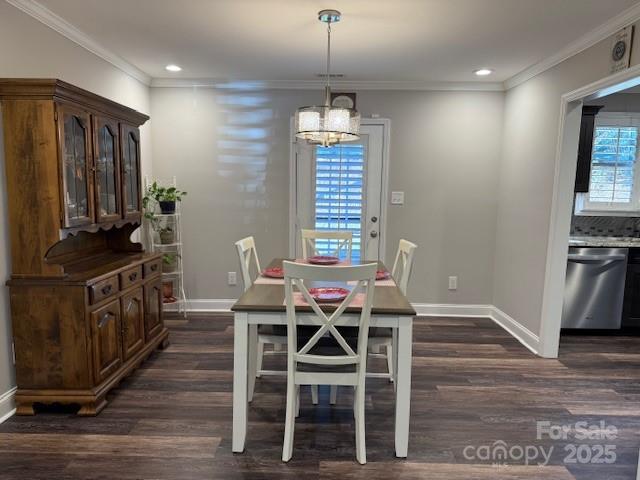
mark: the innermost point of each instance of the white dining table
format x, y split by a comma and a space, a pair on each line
263, 304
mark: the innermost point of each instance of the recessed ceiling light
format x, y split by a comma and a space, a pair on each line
173, 68
483, 72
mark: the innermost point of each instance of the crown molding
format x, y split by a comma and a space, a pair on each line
611, 26
319, 84
64, 28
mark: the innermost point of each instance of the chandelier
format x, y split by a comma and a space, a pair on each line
326, 125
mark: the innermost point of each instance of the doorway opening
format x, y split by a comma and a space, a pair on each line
598, 185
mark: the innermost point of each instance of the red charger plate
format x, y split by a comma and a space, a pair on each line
273, 272
328, 294
382, 275
323, 260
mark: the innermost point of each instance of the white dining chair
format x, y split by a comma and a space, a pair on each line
249, 261
343, 241
384, 337
298, 275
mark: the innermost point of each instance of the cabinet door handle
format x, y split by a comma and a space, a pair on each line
104, 319
133, 276
154, 267
106, 290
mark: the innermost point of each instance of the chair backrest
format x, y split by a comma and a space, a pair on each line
298, 275
402, 265
246, 251
344, 240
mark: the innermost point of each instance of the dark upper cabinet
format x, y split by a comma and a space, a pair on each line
585, 147
74, 134
108, 203
131, 192
100, 168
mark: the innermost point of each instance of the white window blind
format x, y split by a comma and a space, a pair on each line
613, 164
339, 191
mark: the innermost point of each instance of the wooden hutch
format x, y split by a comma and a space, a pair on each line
86, 302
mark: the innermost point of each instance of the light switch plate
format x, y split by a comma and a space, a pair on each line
397, 198
232, 279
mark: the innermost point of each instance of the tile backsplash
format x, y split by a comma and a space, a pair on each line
605, 226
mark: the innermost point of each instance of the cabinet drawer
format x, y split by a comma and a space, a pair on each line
130, 277
103, 289
153, 267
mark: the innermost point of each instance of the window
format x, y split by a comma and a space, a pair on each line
613, 186
339, 194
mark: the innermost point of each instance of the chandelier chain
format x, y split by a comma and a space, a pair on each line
328, 52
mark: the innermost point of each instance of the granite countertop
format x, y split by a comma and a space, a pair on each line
586, 241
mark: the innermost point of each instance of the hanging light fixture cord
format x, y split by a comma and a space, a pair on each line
327, 99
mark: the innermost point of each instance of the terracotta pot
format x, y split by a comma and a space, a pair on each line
167, 289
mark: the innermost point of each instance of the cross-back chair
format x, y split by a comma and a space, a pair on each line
383, 337
247, 253
344, 241
298, 276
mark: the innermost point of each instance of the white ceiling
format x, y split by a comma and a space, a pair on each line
378, 40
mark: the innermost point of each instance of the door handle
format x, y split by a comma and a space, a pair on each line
374, 219
373, 234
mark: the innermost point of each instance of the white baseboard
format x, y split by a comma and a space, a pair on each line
213, 305
529, 339
452, 310
525, 336
7, 405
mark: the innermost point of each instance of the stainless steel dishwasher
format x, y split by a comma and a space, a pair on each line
594, 288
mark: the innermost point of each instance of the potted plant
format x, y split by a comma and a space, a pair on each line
166, 197
166, 234
169, 261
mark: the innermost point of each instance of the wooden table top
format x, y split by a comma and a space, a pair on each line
387, 300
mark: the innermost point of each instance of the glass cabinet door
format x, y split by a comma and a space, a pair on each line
107, 178
131, 195
75, 151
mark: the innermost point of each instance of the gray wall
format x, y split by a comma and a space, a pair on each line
445, 149
30, 49
530, 133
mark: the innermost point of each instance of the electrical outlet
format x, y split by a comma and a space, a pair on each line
453, 283
232, 278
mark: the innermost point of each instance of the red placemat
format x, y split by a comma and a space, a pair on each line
299, 301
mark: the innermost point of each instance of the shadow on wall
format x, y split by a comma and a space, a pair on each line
244, 147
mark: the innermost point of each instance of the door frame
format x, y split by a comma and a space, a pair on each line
384, 193
562, 201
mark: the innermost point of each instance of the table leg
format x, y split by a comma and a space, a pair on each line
240, 364
403, 387
253, 359
394, 353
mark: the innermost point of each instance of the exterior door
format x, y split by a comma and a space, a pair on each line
107, 166
132, 322
341, 188
152, 309
74, 140
131, 194
107, 340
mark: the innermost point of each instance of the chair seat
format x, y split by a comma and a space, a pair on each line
380, 332
280, 330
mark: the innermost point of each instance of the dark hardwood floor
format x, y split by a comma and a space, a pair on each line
473, 385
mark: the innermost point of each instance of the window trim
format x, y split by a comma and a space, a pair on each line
583, 207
